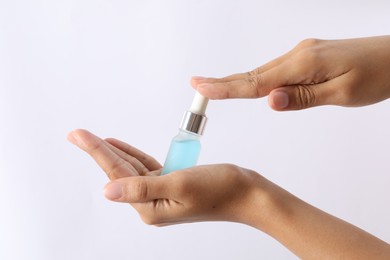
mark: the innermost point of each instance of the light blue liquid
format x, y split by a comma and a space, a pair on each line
183, 153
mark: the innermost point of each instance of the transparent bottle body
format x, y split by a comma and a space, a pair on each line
183, 152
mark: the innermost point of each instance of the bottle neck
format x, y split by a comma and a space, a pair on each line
193, 123
188, 135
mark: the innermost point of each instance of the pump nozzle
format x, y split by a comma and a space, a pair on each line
199, 104
194, 120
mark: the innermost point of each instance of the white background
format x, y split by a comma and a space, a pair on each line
121, 68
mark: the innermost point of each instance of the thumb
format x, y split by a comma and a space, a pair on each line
136, 189
299, 97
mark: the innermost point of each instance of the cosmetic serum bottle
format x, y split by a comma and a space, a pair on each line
185, 147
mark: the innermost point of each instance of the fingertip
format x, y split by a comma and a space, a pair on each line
82, 138
278, 100
193, 84
75, 136
113, 191
71, 138
213, 91
196, 80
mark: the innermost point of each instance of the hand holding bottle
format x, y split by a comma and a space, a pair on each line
353, 72
225, 193
204, 193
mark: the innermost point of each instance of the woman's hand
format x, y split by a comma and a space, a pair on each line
225, 193
205, 193
353, 72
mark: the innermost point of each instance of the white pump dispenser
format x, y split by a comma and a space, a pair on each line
199, 104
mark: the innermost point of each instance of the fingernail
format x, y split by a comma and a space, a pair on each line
280, 99
113, 191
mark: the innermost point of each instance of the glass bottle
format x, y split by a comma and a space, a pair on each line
185, 146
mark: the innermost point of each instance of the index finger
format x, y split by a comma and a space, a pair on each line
196, 81
251, 86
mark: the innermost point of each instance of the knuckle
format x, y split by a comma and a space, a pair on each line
231, 167
254, 72
140, 190
309, 52
308, 43
308, 63
305, 97
254, 81
308, 57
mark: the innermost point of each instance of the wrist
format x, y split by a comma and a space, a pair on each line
269, 206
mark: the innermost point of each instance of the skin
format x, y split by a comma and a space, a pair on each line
352, 72
224, 192
314, 73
